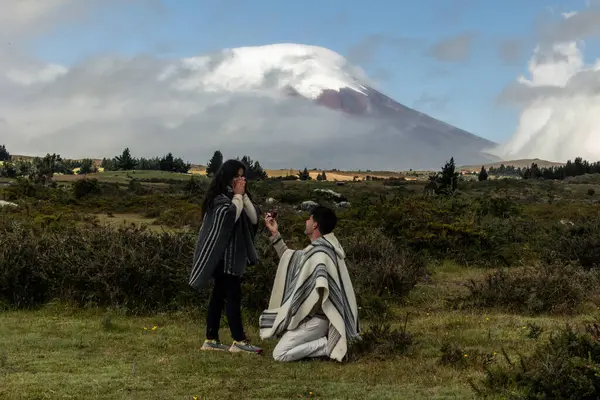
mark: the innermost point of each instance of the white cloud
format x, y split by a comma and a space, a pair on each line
561, 105
46, 74
100, 105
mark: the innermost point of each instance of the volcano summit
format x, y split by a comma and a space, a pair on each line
287, 105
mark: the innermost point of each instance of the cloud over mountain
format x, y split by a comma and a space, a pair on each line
287, 105
560, 102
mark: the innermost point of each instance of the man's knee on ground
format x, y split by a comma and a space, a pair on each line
280, 355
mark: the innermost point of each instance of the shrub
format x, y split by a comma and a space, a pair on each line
381, 341
567, 366
84, 187
21, 187
499, 207
457, 357
180, 216
573, 241
94, 265
380, 270
543, 288
141, 271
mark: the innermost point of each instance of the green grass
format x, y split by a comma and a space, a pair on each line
125, 176
123, 220
60, 352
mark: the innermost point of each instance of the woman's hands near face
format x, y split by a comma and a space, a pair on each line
239, 185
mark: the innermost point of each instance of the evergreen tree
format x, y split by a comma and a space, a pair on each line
448, 178
215, 163
8, 170
319, 177
532, 172
181, 166
254, 171
125, 162
304, 175
258, 171
323, 175
109, 164
149, 164
87, 166
167, 163
4, 154
44, 168
483, 175
23, 167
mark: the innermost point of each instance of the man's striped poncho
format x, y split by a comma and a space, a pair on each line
317, 274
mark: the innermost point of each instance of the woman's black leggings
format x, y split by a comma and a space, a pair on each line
227, 289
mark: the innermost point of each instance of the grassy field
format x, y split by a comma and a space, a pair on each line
61, 352
124, 176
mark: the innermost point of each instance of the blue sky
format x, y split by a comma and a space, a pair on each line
463, 93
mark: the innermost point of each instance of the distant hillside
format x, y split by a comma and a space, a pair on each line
514, 163
349, 175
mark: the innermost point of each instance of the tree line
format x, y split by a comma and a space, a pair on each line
126, 162
571, 168
41, 169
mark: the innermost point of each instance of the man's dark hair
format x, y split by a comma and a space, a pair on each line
325, 217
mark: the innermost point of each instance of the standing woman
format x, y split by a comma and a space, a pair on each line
225, 246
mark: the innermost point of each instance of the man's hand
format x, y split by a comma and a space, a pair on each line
239, 186
271, 224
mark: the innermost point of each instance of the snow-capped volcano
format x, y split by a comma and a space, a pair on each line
324, 76
308, 70
287, 105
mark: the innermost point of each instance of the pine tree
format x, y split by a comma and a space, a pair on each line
4, 154
125, 161
108, 164
254, 171
304, 175
215, 163
258, 171
166, 163
449, 178
323, 175
483, 175
181, 166
87, 166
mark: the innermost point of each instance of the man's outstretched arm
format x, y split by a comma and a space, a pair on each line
278, 244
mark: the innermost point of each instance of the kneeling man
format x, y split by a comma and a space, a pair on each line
312, 306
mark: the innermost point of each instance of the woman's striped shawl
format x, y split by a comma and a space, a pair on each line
221, 237
304, 278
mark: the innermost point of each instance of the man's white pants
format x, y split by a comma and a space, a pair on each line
309, 339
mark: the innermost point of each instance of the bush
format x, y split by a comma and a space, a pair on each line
381, 341
86, 264
85, 187
444, 229
544, 288
180, 216
573, 241
381, 271
457, 357
94, 265
566, 367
